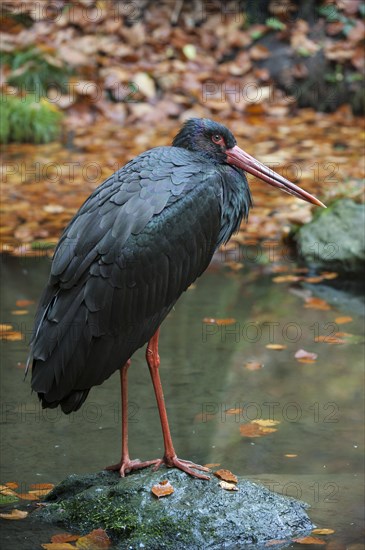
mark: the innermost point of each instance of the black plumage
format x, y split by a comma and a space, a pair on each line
134, 246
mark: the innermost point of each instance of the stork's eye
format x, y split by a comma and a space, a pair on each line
217, 138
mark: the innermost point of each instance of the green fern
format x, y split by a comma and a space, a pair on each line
26, 119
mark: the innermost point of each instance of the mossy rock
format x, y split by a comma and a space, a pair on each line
335, 239
199, 514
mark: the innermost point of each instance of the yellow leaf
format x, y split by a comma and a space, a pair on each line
323, 531
15, 514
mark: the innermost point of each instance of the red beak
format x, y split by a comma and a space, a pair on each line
243, 160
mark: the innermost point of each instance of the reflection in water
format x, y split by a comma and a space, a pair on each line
317, 405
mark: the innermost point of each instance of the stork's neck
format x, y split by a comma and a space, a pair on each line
236, 201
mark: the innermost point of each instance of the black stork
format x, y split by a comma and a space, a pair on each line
140, 239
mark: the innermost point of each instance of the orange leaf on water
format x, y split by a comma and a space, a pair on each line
162, 489
40, 486
309, 540
343, 320
24, 303
328, 339
316, 303
220, 322
27, 496
323, 531
286, 279
11, 484
15, 514
275, 346
253, 365
306, 355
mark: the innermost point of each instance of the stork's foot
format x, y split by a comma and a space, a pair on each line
127, 465
184, 465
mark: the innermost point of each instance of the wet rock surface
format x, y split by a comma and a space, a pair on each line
199, 514
335, 239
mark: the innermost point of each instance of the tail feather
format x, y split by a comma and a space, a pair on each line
70, 403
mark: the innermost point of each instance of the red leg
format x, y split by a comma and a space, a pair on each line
126, 464
170, 459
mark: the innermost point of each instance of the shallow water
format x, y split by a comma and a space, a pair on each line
319, 406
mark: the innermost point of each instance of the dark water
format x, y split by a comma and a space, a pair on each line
319, 406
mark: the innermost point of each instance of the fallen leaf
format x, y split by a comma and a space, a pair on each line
59, 546
40, 493
343, 320
40, 486
162, 489
226, 475
264, 423
211, 321
316, 303
329, 275
313, 280
11, 484
64, 537
19, 311
96, 540
301, 354
309, 540
275, 346
253, 365
211, 465
286, 279
24, 303
329, 339
255, 430
5, 490
5, 328
228, 486
27, 496
322, 531
15, 514
12, 336
233, 411
288, 455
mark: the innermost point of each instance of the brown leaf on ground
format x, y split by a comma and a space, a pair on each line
64, 537
14, 514
275, 346
226, 475
58, 546
96, 540
162, 489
